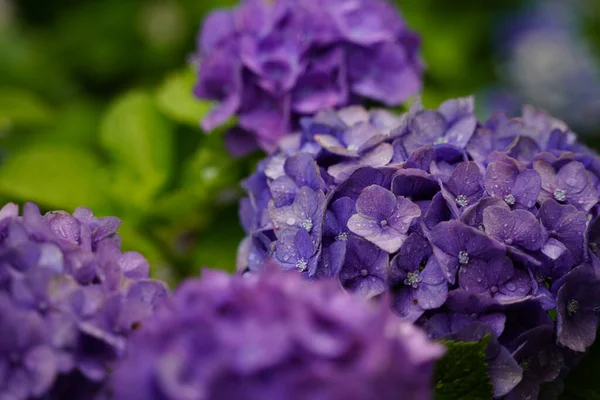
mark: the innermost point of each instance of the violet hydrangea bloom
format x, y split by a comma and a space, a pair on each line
382, 218
457, 222
416, 279
69, 298
271, 62
274, 336
578, 302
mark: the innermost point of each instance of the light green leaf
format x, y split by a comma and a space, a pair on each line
140, 144
175, 98
209, 176
21, 107
462, 373
55, 176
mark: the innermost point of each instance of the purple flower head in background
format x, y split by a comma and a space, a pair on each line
69, 298
549, 33
271, 62
459, 222
274, 336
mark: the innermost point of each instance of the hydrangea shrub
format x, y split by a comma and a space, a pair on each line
274, 336
270, 62
69, 298
473, 228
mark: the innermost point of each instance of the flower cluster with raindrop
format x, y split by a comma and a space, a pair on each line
471, 228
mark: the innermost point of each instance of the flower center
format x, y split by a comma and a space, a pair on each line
509, 199
413, 279
462, 200
302, 265
440, 140
364, 272
307, 224
463, 257
572, 306
594, 247
560, 195
342, 237
525, 364
383, 222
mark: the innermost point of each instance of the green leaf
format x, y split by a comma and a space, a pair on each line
55, 176
582, 383
209, 176
140, 144
176, 100
217, 247
462, 373
21, 107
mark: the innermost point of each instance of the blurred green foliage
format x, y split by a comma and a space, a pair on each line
96, 109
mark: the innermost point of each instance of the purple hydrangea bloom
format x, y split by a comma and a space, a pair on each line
509, 180
277, 336
382, 218
577, 305
416, 279
457, 222
448, 129
463, 187
540, 359
271, 62
69, 298
570, 183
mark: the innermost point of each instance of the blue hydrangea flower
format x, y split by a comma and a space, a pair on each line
274, 336
68, 301
271, 62
458, 221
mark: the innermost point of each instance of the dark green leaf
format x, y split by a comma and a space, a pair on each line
462, 373
582, 383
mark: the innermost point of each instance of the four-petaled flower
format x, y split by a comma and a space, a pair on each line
383, 218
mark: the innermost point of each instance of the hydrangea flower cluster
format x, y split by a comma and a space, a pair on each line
473, 228
274, 336
68, 300
269, 62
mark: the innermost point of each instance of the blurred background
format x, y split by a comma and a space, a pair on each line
96, 109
